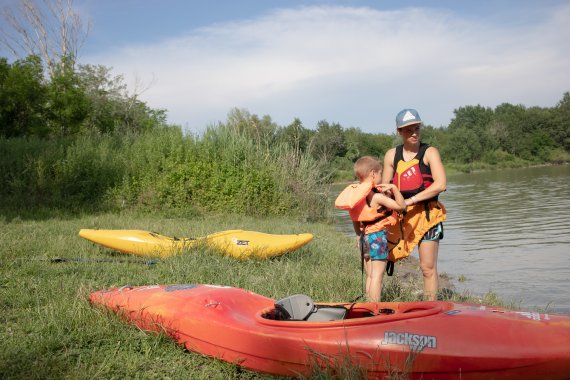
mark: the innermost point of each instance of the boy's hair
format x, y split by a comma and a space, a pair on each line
364, 165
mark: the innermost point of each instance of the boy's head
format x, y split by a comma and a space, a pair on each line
364, 166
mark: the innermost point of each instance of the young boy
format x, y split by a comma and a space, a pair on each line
371, 210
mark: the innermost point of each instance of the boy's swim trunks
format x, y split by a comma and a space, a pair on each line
378, 245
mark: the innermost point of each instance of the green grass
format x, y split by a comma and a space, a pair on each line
49, 330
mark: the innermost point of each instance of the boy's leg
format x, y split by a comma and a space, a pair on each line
375, 279
368, 271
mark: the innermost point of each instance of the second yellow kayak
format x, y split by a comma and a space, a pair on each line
236, 243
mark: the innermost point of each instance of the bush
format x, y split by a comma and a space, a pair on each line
222, 171
558, 156
497, 157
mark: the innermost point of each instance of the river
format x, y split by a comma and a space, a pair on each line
508, 232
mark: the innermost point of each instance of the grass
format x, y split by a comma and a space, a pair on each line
49, 330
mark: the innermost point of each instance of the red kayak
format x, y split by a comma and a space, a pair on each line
425, 340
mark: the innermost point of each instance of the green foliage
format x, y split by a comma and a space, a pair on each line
526, 134
222, 171
262, 131
106, 94
560, 130
79, 138
68, 105
70, 102
475, 118
558, 156
328, 142
466, 146
23, 98
294, 135
438, 137
366, 144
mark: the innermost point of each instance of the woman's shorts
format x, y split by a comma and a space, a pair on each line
434, 234
378, 245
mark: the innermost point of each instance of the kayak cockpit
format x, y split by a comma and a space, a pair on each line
300, 307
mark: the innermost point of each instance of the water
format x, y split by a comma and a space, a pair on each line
508, 232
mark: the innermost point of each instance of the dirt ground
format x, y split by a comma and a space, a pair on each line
409, 273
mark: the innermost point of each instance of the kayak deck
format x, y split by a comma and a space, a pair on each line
239, 244
446, 340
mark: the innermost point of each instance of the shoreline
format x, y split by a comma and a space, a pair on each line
452, 170
407, 272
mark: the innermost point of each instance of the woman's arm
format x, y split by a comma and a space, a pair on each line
388, 171
433, 160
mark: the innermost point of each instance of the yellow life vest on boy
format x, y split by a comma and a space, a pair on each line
353, 199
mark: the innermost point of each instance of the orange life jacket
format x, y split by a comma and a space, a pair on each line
353, 199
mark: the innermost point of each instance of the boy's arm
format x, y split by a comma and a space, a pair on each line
398, 197
397, 204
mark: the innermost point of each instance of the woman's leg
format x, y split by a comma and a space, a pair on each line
428, 251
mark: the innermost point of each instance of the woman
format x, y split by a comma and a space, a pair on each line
416, 169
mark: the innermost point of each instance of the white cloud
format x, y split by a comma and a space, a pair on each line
355, 66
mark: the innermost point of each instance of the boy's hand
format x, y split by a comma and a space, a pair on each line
386, 188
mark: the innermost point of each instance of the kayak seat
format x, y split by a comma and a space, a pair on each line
327, 313
294, 308
300, 307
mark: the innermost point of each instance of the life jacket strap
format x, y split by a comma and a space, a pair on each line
365, 224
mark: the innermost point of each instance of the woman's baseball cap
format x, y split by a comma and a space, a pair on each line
407, 116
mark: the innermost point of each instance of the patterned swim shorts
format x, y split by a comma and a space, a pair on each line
378, 245
434, 234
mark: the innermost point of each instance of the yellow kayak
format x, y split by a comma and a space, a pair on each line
236, 243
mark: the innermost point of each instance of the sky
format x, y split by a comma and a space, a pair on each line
352, 62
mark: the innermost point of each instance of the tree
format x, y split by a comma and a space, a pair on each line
507, 127
329, 142
437, 137
105, 93
68, 105
112, 107
23, 98
360, 144
465, 146
295, 135
262, 131
560, 122
476, 120
50, 29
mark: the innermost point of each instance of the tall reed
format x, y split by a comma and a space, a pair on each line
223, 170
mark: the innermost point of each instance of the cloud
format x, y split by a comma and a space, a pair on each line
355, 66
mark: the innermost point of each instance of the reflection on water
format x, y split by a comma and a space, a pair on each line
508, 232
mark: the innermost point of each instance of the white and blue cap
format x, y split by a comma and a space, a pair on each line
407, 116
